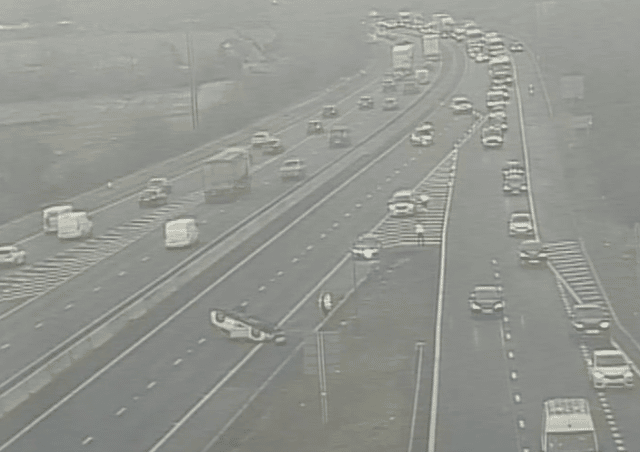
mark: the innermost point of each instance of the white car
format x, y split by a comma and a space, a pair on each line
12, 255
293, 169
520, 224
423, 135
482, 58
609, 368
402, 204
461, 105
260, 139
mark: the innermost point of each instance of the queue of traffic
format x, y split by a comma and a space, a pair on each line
567, 422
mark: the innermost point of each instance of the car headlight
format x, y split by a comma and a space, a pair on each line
628, 375
598, 375
498, 305
475, 305
604, 324
506, 187
578, 325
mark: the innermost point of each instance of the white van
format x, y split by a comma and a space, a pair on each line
74, 225
180, 233
50, 217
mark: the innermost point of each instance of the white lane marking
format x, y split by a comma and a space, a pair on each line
437, 347
416, 396
38, 325
122, 273
280, 273
177, 361
335, 225
121, 411
261, 288
347, 215
87, 440
96, 289
309, 248
201, 341
294, 260
145, 259
69, 306
151, 385
186, 306
323, 235
5, 346
525, 151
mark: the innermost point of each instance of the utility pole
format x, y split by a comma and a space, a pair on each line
194, 90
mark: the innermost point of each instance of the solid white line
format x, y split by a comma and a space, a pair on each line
416, 396
437, 348
525, 151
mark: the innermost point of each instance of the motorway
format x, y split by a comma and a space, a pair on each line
143, 426
112, 274
495, 374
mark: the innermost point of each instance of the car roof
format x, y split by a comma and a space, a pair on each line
7, 247
180, 221
402, 192
513, 214
390, 99
340, 127
487, 288
290, 161
608, 352
588, 306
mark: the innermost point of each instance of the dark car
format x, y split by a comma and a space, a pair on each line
513, 166
486, 299
273, 146
365, 103
532, 252
514, 183
315, 127
590, 319
339, 137
152, 197
161, 183
329, 111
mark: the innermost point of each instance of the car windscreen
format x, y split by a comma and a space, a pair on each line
521, 218
291, 164
611, 360
489, 293
589, 312
402, 198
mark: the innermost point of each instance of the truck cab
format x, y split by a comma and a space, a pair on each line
50, 217
74, 225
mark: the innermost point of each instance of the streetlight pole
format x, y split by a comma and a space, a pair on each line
194, 91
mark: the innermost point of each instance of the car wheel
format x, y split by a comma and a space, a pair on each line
255, 333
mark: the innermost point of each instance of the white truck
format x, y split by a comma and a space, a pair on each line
227, 175
431, 47
402, 59
567, 426
74, 225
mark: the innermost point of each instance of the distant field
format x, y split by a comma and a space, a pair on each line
106, 88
